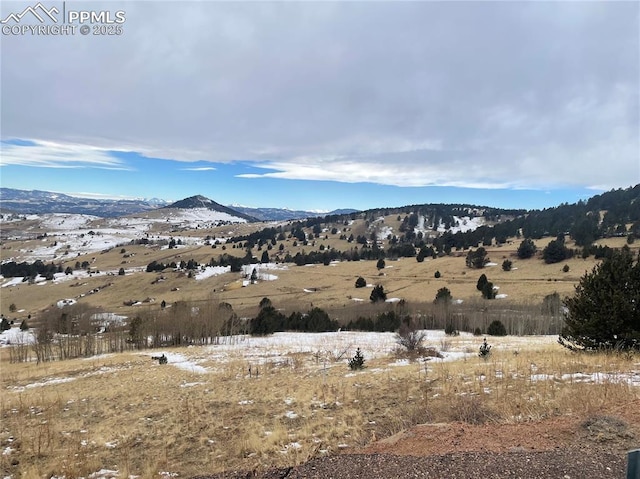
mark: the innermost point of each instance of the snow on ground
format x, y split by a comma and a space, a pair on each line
210, 271
198, 217
63, 277
12, 281
341, 346
631, 378
181, 362
247, 270
14, 218
73, 234
67, 221
462, 224
16, 336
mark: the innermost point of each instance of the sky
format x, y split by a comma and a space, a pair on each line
323, 105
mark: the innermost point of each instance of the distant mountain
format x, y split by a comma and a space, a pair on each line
200, 201
41, 202
283, 214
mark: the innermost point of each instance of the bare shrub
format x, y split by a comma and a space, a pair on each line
410, 337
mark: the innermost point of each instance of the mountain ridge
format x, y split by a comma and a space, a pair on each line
199, 201
41, 202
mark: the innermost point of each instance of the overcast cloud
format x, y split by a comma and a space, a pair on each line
472, 94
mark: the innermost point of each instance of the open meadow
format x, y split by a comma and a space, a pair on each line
251, 403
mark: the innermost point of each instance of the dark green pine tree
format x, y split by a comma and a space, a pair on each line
378, 294
482, 280
604, 313
357, 362
526, 249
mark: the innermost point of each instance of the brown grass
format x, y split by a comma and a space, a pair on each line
128, 413
334, 286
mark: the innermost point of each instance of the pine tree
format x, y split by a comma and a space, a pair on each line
357, 362
378, 294
443, 296
482, 280
4, 324
604, 313
477, 259
526, 249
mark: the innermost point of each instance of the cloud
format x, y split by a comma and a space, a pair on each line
201, 168
474, 94
49, 154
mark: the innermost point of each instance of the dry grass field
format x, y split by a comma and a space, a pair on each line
329, 287
204, 412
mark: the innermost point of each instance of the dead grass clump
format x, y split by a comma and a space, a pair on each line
471, 409
604, 428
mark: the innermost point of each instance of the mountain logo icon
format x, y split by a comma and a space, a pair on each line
39, 11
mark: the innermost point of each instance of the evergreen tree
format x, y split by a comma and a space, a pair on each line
360, 282
482, 280
378, 294
265, 302
506, 265
555, 251
526, 249
496, 328
477, 259
487, 291
357, 362
380, 264
443, 296
265, 257
604, 312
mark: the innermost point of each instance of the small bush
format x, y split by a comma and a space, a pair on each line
410, 337
450, 330
496, 328
360, 282
506, 265
565, 268
437, 274
357, 362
